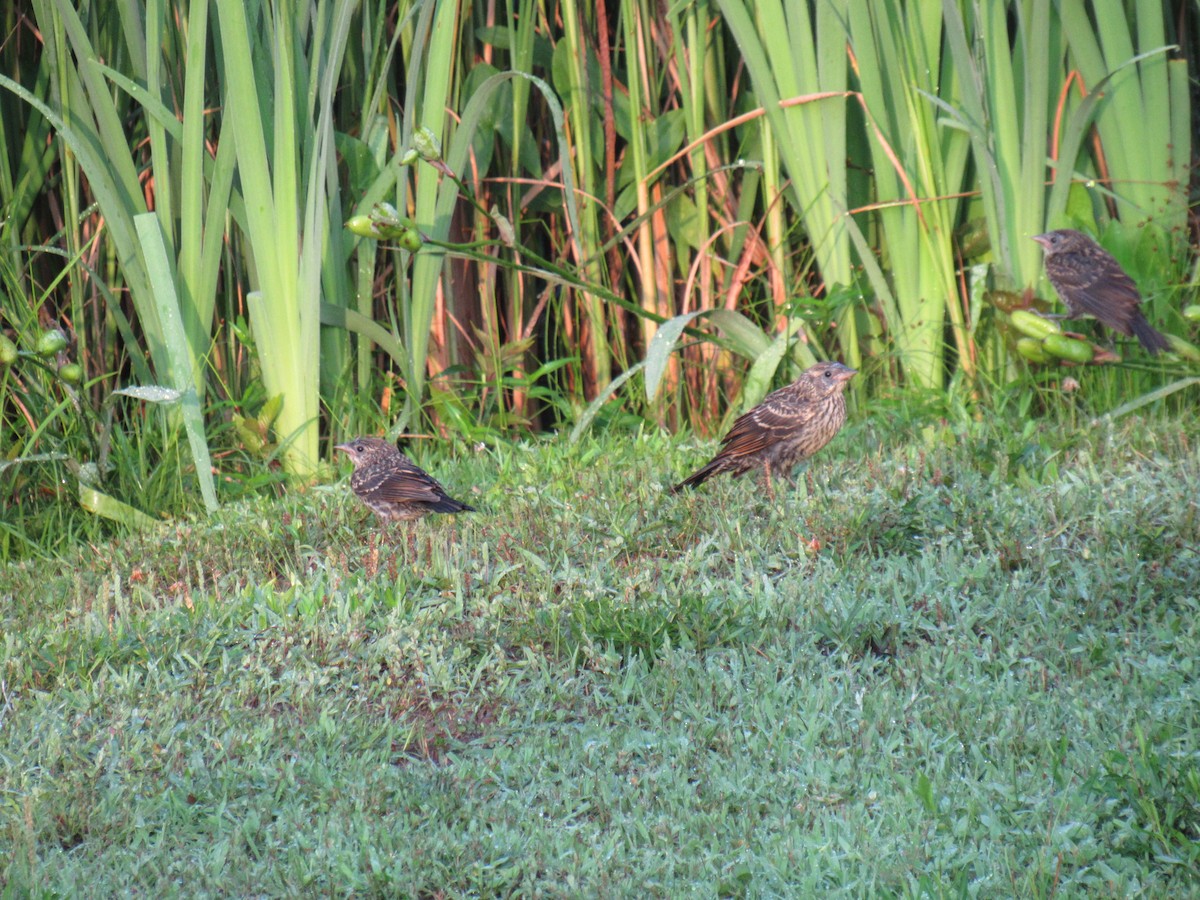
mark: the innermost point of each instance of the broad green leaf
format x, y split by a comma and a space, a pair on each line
110, 508
762, 373
745, 338
661, 346
182, 370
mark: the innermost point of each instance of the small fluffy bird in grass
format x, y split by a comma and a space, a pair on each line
1092, 283
790, 425
392, 485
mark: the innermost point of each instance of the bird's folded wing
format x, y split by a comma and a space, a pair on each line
1102, 292
402, 486
768, 423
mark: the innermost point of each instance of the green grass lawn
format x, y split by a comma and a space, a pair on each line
956, 662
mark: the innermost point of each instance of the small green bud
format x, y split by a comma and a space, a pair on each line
389, 223
362, 226
71, 373
411, 240
8, 351
250, 433
427, 145
50, 342
385, 214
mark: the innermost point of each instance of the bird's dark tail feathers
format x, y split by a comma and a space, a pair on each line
447, 504
1152, 340
698, 477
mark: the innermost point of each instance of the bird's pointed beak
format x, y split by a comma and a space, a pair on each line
846, 374
1043, 239
345, 448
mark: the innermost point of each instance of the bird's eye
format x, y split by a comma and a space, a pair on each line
828, 374
359, 448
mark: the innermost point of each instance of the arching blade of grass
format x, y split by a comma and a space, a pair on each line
602, 397
658, 353
747, 339
158, 267
762, 372
354, 321
1150, 397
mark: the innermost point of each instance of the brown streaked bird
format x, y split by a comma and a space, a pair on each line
392, 485
790, 425
1092, 283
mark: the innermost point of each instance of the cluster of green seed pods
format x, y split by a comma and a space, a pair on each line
50, 342
1044, 340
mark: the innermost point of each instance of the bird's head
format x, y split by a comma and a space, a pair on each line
830, 376
361, 449
1064, 239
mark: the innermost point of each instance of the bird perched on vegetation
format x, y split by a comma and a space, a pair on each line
790, 425
1092, 283
392, 485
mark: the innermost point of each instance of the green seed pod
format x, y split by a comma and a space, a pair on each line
8, 351
1032, 350
50, 342
1032, 324
411, 240
1192, 312
72, 373
1068, 348
363, 226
